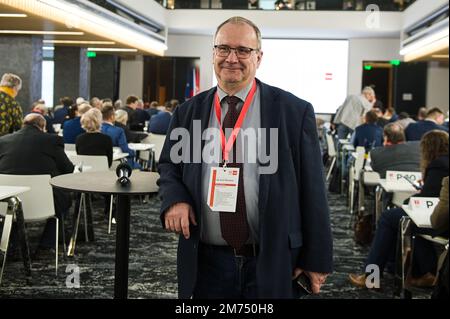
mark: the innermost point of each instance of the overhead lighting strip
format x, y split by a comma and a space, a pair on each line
33, 32
13, 15
79, 42
74, 16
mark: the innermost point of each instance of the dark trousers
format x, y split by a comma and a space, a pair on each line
223, 275
384, 245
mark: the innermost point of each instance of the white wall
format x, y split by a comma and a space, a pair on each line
359, 50
437, 87
368, 49
195, 46
131, 78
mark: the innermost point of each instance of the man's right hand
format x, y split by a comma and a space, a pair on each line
178, 217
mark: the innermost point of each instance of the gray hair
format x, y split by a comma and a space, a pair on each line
83, 108
122, 116
368, 89
12, 81
36, 120
241, 20
91, 121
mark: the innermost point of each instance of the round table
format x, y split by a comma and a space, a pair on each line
141, 183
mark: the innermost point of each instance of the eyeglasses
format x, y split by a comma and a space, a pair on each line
241, 52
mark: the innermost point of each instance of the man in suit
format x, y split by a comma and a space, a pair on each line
277, 225
434, 121
369, 134
159, 123
396, 154
31, 151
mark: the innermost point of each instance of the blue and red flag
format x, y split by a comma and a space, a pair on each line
192, 83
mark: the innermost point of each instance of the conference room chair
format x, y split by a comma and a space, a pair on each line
37, 203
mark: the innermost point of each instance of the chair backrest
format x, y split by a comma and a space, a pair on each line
359, 161
158, 141
69, 147
90, 163
37, 203
330, 145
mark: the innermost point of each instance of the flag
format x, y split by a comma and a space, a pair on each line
192, 83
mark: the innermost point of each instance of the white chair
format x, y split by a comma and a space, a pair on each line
158, 141
331, 153
354, 174
37, 203
88, 163
69, 147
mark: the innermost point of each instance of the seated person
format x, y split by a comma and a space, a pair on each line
40, 108
93, 142
72, 128
404, 120
439, 222
433, 121
61, 114
121, 121
434, 167
159, 123
369, 135
396, 154
141, 116
117, 134
31, 151
390, 115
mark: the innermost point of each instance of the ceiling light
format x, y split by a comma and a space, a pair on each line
40, 32
73, 15
13, 15
112, 50
48, 48
428, 49
79, 42
440, 56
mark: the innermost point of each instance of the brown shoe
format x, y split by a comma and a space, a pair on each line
427, 280
358, 280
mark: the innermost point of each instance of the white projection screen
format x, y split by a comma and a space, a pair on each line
313, 70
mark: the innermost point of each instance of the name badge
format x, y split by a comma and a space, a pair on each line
222, 190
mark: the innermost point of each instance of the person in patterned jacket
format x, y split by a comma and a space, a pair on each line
10, 111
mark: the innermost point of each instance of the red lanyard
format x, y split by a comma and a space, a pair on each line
227, 145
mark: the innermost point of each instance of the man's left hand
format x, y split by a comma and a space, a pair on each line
317, 278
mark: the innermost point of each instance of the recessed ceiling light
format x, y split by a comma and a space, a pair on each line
79, 42
13, 15
41, 32
48, 48
112, 50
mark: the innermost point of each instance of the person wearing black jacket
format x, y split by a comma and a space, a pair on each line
93, 142
434, 166
131, 136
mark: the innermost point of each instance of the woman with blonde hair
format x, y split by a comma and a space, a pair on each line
93, 142
434, 167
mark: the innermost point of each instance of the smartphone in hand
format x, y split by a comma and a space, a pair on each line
416, 185
304, 283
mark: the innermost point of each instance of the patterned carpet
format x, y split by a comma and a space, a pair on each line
152, 267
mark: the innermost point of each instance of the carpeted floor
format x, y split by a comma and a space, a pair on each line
152, 267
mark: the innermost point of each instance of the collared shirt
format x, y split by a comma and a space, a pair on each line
210, 226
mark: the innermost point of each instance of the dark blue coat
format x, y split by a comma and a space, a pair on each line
415, 131
71, 129
159, 123
369, 136
294, 216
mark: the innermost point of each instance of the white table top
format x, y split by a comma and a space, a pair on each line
140, 146
116, 155
421, 219
400, 187
9, 191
